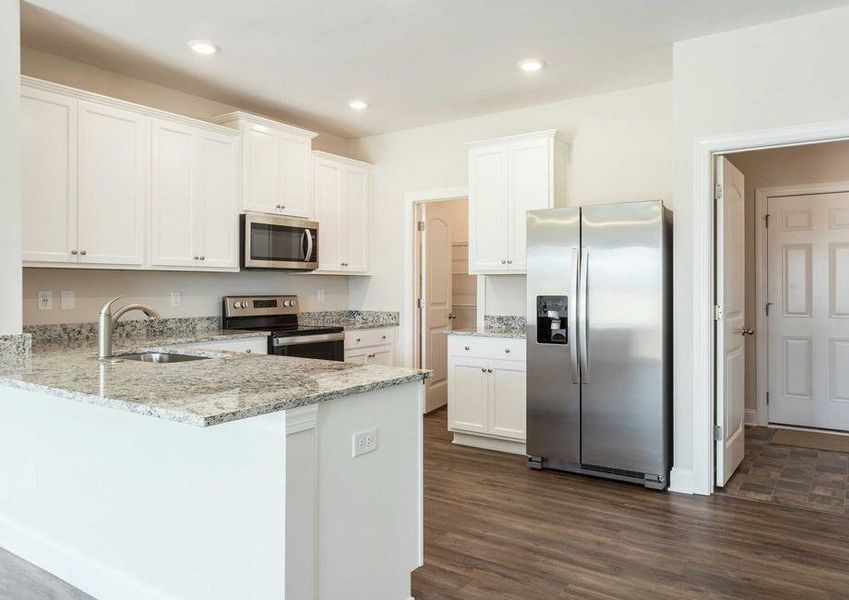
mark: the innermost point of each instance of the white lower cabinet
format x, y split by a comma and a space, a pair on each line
486, 392
370, 346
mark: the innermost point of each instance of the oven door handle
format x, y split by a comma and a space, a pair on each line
308, 254
301, 340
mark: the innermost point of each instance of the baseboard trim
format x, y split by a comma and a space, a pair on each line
81, 571
489, 443
681, 481
751, 417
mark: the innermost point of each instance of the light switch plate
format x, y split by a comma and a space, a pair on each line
68, 300
176, 299
45, 300
320, 295
364, 442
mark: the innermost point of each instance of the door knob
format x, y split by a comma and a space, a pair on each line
746, 331
450, 316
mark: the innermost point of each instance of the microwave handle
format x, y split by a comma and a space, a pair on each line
308, 235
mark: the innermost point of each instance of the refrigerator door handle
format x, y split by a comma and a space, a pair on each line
573, 318
582, 319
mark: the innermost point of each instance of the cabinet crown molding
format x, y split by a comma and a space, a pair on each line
550, 133
253, 119
344, 159
147, 111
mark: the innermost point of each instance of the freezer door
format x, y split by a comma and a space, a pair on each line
553, 388
623, 324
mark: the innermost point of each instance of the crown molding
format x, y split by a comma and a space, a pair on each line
242, 116
345, 159
546, 133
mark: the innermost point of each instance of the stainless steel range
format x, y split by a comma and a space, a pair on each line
279, 315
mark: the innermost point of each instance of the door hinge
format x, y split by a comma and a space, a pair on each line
717, 433
419, 303
421, 225
767, 398
766, 221
717, 313
766, 308
718, 192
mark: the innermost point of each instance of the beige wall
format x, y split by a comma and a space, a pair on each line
620, 150
819, 163
780, 74
201, 292
10, 179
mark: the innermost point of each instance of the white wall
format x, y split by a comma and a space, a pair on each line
798, 165
10, 178
775, 75
620, 150
201, 292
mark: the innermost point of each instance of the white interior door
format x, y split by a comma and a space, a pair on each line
730, 326
437, 302
808, 273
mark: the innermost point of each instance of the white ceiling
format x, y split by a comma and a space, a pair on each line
416, 62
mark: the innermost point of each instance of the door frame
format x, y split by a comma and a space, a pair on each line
762, 196
700, 476
409, 318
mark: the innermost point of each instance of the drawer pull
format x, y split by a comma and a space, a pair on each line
248, 351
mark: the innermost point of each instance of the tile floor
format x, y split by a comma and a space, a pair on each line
790, 476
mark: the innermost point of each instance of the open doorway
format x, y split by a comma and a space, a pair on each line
447, 294
782, 324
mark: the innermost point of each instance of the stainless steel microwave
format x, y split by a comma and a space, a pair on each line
270, 242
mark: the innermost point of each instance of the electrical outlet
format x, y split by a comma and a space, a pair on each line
69, 299
364, 442
176, 299
45, 300
321, 295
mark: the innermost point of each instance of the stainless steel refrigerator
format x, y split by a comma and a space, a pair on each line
599, 341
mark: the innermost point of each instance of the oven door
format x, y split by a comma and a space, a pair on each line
269, 242
325, 346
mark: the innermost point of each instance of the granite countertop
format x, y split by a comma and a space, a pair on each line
351, 326
493, 333
125, 344
227, 387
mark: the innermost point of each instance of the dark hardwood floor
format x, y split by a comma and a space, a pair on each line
496, 529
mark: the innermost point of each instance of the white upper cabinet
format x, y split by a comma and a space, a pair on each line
48, 176
343, 211
110, 184
193, 197
276, 165
508, 177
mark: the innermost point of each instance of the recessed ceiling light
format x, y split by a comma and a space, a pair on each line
531, 65
358, 104
204, 47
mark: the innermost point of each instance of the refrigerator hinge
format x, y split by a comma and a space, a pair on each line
421, 225
766, 221
717, 433
718, 192
717, 313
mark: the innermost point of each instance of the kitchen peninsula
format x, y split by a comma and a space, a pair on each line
228, 475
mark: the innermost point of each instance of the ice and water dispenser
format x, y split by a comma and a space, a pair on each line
552, 322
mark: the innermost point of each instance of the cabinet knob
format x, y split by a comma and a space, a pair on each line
283, 207
248, 351
489, 370
509, 262
507, 350
483, 370
83, 252
203, 258
358, 339
503, 262
74, 252
197, 257
383, 336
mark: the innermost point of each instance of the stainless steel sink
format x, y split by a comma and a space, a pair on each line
161, 357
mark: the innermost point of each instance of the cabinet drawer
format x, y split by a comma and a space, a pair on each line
363, 338
484, 347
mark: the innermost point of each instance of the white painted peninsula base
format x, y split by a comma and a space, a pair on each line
125, 506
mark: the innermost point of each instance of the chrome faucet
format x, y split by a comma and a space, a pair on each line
107, 324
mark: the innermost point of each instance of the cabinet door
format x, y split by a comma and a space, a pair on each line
174, 203
383, 355
296, 193
356, 356
530, 189
48, 176
356, 207
216, 192
488, 210
112, 178
467, 395
507, 398
261, 186
328, 194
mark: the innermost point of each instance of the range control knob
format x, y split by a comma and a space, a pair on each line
237, 305
244, 304
294, 302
